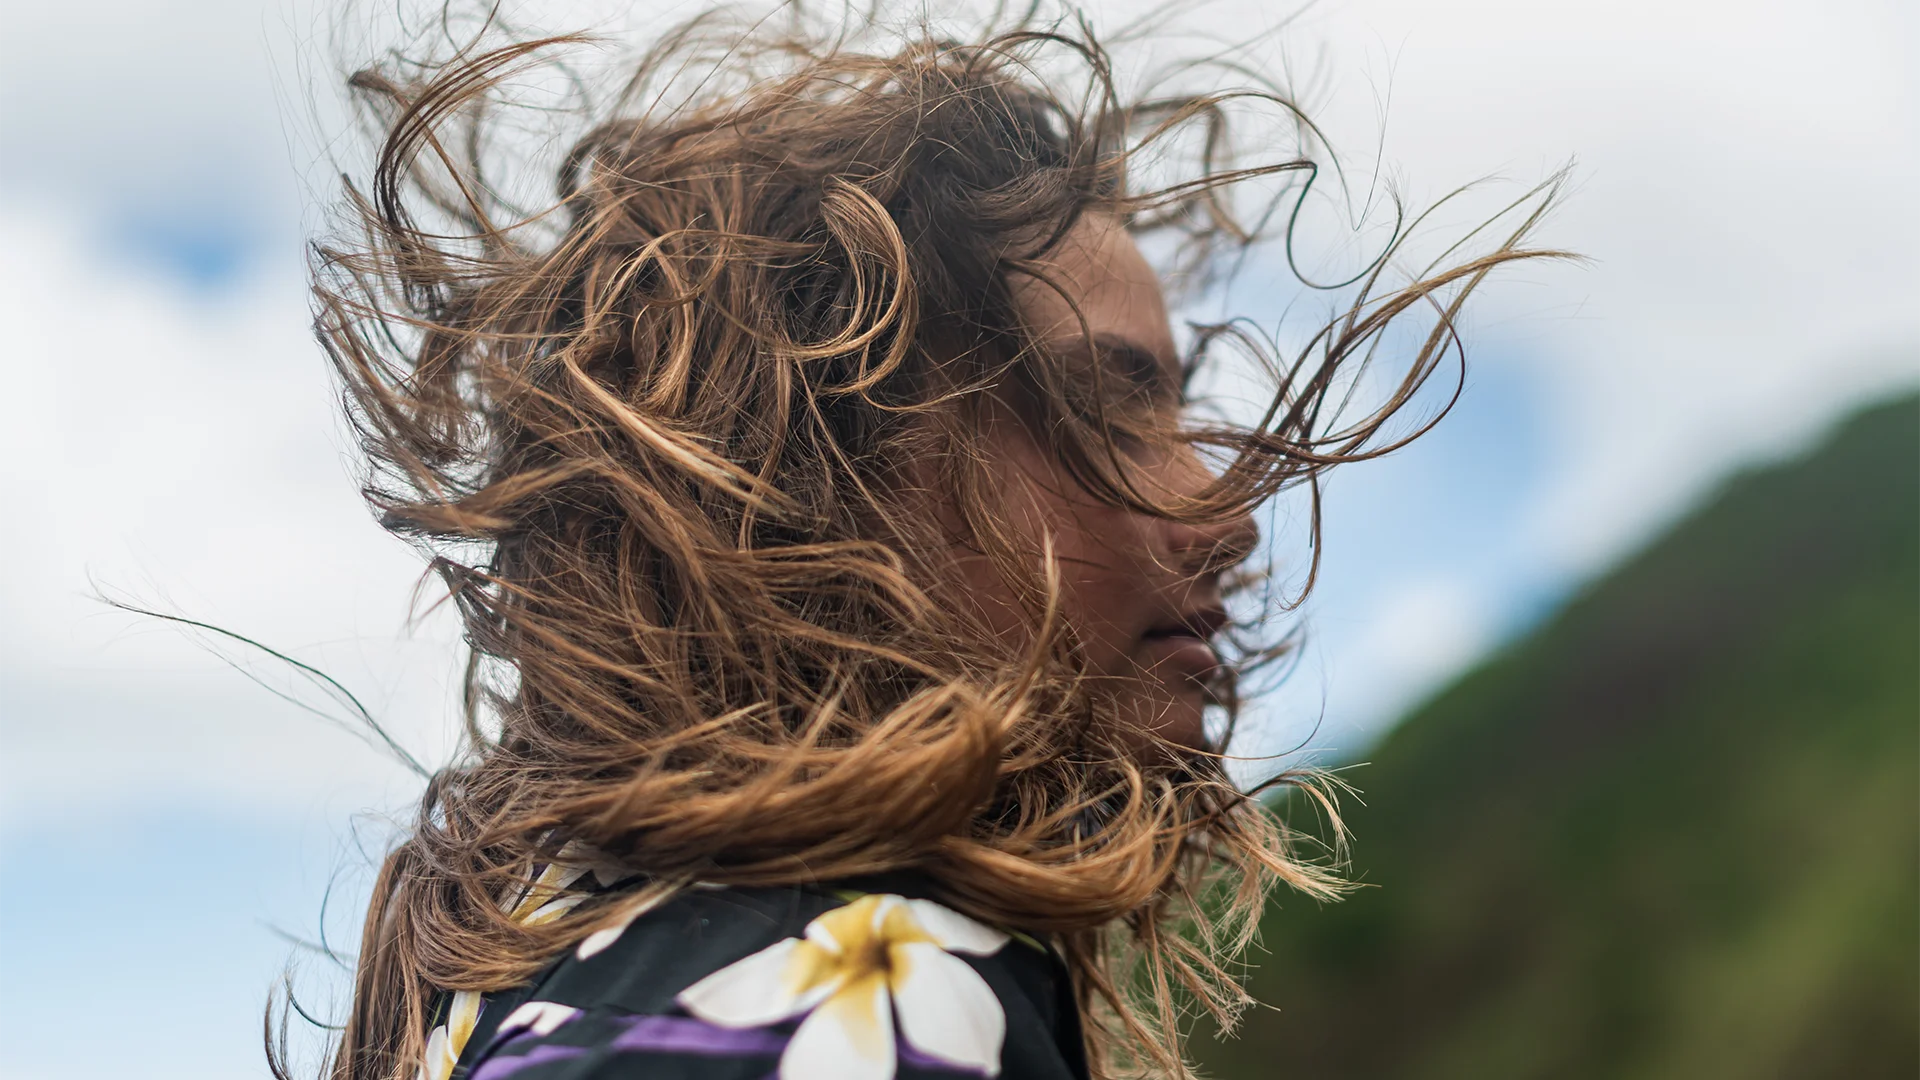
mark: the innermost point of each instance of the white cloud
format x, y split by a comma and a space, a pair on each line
182, 451
1366, 662
133, 103
1428, 630
1745, 184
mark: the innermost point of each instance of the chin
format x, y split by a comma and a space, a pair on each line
1160, 719
1184, 722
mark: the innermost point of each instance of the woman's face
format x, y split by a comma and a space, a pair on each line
1143, 593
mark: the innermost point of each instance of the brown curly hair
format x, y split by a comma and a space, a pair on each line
654, 436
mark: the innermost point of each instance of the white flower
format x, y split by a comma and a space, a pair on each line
447, 1040
860, 968
538, 902
545, 898
539, 1017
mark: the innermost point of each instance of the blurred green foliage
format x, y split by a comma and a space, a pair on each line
1673, 833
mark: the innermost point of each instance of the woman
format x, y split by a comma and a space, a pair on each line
846, 581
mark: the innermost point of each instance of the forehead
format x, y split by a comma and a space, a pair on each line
1100, 270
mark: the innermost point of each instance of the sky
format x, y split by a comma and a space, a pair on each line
1742, 187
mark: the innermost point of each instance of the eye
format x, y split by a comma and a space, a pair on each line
1157, 383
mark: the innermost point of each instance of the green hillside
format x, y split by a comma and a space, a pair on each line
1675, 833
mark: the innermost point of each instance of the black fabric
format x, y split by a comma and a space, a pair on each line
628, 990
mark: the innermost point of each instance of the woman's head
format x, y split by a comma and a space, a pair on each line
836, 511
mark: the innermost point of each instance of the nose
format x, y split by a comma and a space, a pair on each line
1209, 545
1213, 546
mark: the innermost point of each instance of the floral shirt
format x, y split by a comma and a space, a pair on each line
791, 983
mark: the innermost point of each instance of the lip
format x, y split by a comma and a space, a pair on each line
1183, 645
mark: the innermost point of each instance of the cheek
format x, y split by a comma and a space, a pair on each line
1108, 578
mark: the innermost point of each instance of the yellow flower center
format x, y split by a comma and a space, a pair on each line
868, 932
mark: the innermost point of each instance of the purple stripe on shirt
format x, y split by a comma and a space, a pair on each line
691, 1035
682, 1035
656, 1034
496, 1068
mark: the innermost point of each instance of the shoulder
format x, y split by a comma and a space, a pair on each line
835, 984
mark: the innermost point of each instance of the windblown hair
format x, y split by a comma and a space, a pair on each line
663, 436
